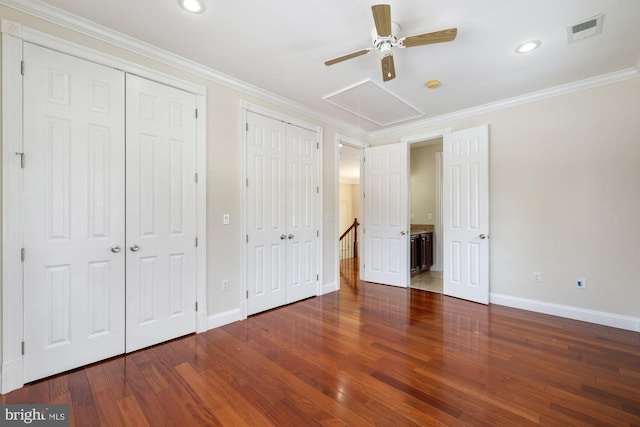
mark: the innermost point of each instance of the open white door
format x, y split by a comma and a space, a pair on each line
466, 214
386, 222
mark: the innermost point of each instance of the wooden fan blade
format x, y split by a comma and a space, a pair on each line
382, 18
430, 38
388, 68
345, 57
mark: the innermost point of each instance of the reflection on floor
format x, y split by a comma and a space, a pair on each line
428, 281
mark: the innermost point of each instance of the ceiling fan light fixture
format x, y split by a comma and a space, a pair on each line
528, 46
192, 6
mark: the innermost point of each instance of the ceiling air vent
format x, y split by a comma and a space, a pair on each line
585, 29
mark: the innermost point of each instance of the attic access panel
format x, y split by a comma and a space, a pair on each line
374, 103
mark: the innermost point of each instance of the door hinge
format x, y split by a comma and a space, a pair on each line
21, 159
196, 305
196, 113
317, 145
22, 68
317, 233
318, 189
247, 182
247, 238
247, 294
196, 242
246, 127
364, 195
196, 178
22, 254
23, 348
317, 277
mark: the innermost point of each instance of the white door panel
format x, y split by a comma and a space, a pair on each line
266, 213
161, 206
466, 214
386, 224
73, 212
282, 218
302, 199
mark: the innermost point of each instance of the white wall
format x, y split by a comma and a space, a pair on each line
564, 193
565, 198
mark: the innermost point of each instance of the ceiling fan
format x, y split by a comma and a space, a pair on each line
385, 38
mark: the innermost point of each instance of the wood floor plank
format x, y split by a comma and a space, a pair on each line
366, 355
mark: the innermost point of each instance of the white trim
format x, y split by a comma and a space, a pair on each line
13, 37
437, 235
244, 108
201, 213
425, 136
570, 312
12, 305
580, 85
330, 287
224, 318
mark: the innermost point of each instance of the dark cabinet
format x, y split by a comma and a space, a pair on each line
421, 252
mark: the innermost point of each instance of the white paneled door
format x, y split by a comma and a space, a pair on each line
109, 242
282, 213
74, 204
466, 214
161, 209
386, 222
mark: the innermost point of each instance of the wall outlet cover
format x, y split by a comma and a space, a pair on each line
581, 282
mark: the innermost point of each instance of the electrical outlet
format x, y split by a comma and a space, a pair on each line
537, 276
225, 285
430, 216
225, 219
581, 282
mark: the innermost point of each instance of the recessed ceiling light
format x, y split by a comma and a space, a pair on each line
192, 6
528, 46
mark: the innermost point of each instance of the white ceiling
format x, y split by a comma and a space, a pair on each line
280, 46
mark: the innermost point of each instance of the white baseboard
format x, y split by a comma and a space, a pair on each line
329, 287
224, 318
570, 312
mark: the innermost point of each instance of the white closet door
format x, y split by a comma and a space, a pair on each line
302, 202
161, 208
73, 212
266, 213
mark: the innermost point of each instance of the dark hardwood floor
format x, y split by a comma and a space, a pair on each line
367, 355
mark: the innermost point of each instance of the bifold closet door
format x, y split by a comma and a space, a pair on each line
161, 209
73, 212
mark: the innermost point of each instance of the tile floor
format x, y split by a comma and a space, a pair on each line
428, 281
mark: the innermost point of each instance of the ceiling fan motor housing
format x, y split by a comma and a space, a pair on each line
385, 43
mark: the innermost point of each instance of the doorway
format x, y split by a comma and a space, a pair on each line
349, 211
425, 188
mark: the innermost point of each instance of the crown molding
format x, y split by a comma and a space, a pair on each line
102, 33
115, 38
580, 85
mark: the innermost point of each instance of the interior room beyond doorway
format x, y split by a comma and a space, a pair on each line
425, 185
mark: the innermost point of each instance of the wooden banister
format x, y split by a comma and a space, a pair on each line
349, 241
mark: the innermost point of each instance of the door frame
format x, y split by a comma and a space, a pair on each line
14, 35
413, 139
355, 143
246, 107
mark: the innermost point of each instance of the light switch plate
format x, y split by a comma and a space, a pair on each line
225, 219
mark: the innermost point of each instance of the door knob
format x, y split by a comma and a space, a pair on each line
115, 249
134, 248
283, 236
483, 236
403, 232
290, 236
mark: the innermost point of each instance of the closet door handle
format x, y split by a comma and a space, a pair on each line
290, 236
134, 248
283, 236
115, 249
